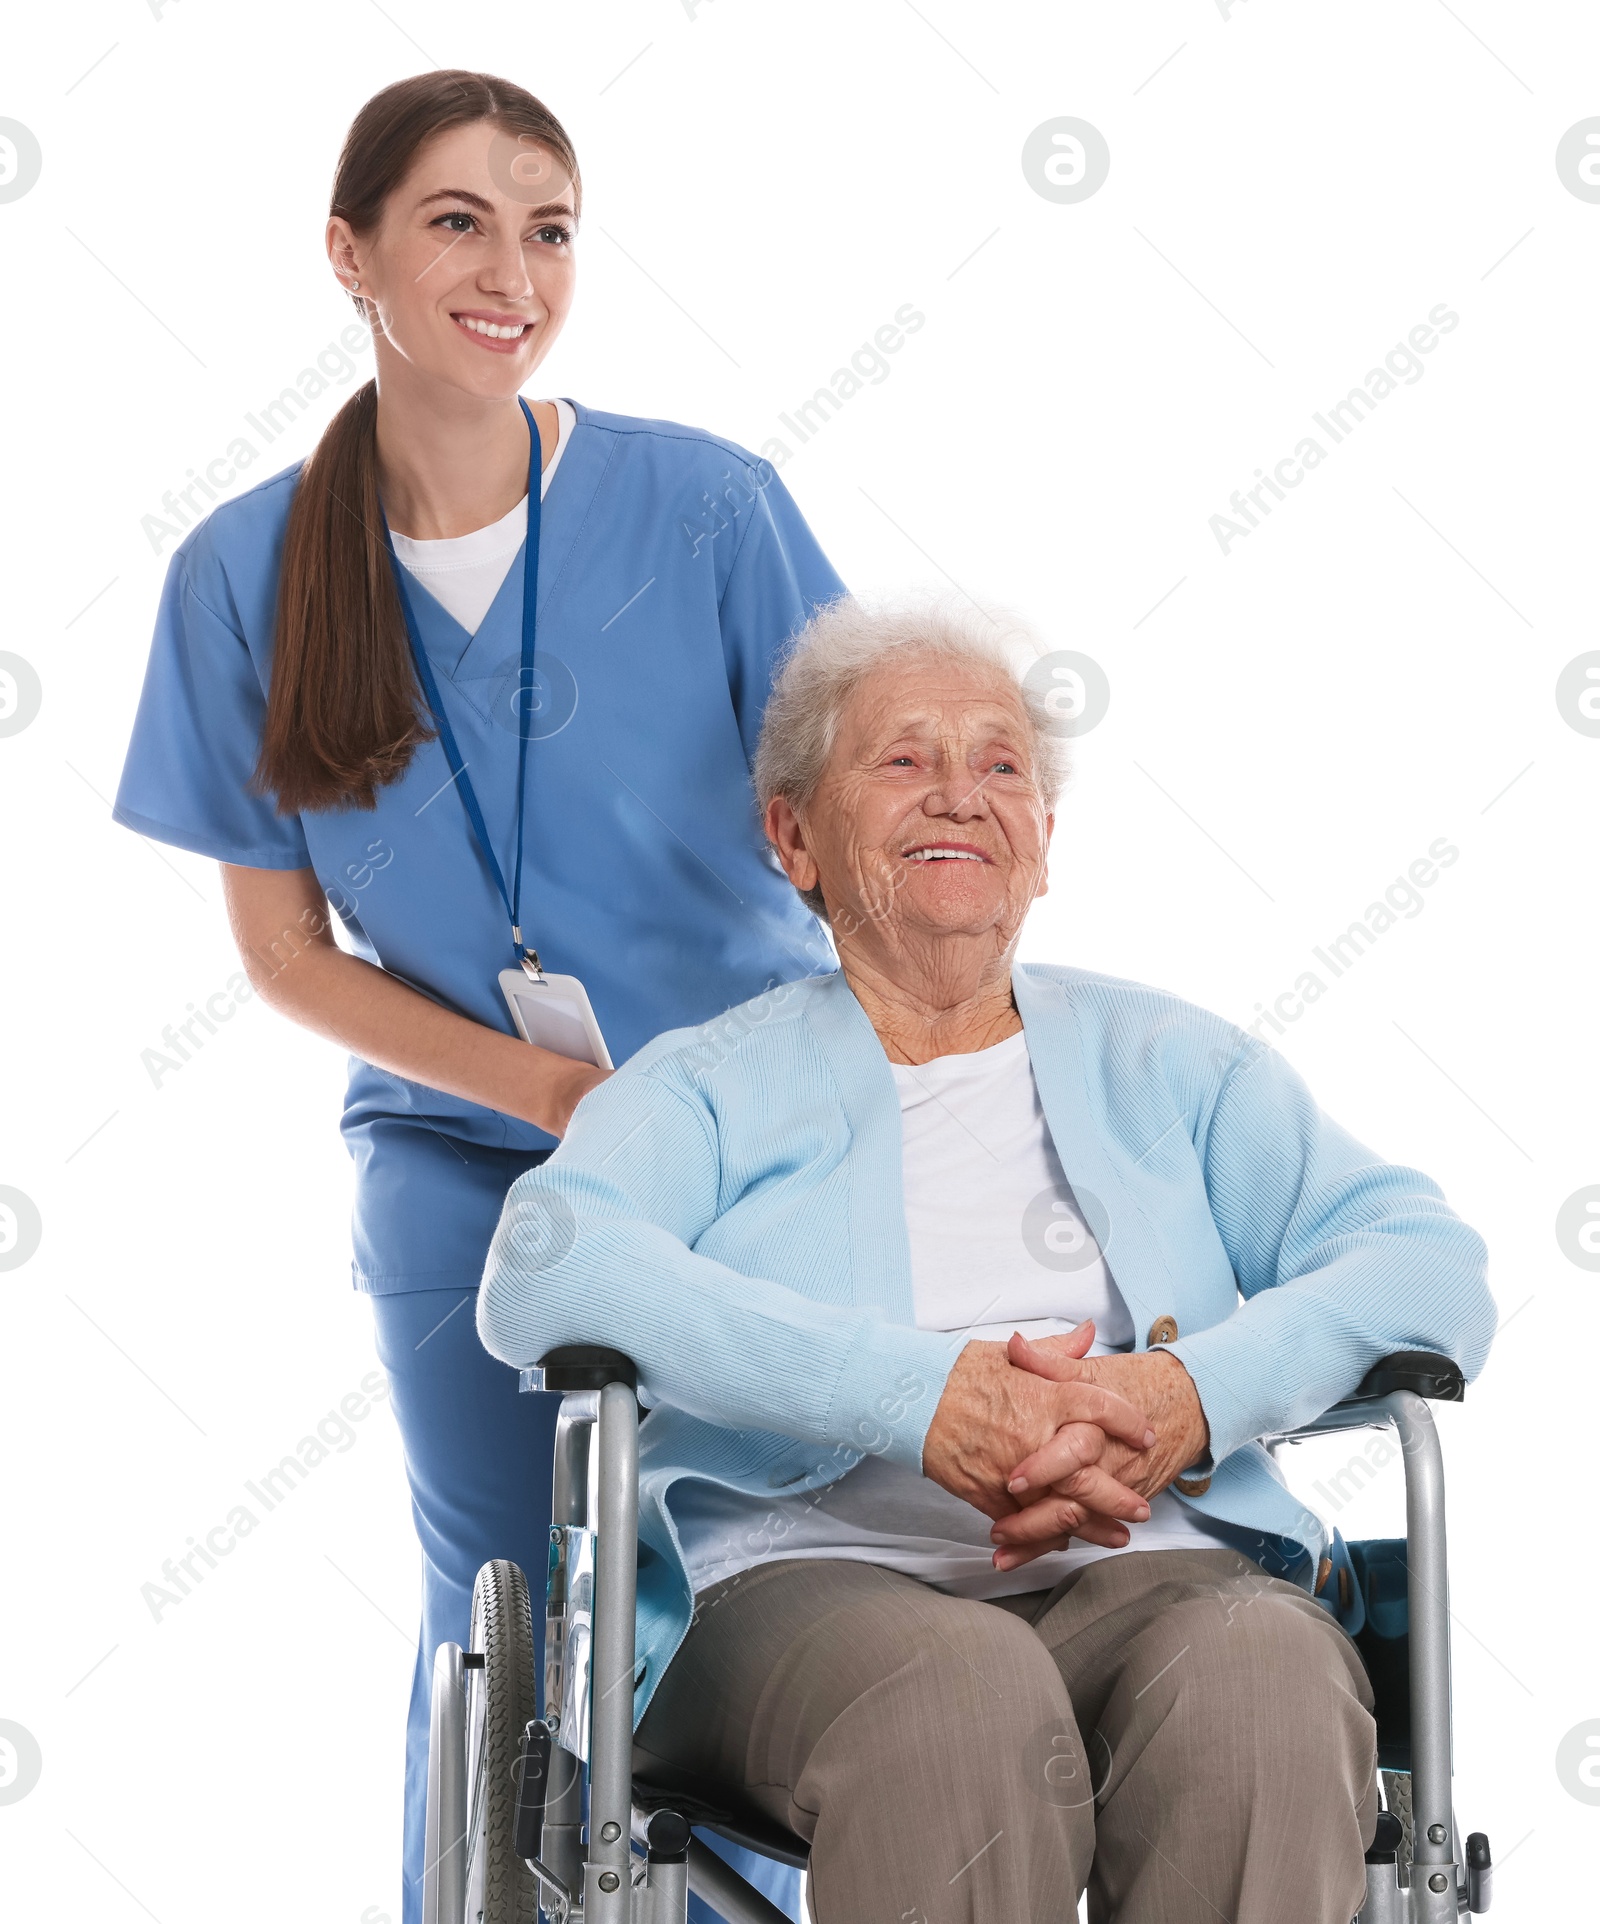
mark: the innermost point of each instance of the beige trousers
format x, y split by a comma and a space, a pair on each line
1186, 1735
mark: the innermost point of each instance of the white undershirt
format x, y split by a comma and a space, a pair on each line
464, 573
998, 1243
997, 1239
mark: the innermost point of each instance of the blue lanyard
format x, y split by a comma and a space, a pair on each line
527, 957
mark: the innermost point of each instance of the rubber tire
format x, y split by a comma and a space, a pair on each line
501, 1697
1397, 1799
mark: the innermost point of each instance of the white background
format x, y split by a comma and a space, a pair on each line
1291, 725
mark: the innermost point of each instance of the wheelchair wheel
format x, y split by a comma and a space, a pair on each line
502, 1695
1397, 1799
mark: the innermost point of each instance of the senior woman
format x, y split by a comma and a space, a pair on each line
964, 1289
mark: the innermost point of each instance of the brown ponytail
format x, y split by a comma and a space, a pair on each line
344, 711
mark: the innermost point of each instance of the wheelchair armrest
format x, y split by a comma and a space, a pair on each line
1421, 1371
582, 1366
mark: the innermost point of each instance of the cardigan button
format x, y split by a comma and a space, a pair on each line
1163, 1330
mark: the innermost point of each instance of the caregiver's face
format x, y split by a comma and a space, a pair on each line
928, 819
471, 266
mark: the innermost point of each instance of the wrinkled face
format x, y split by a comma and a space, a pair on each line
928, 820
471, 268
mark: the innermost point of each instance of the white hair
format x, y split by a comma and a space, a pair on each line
849, 639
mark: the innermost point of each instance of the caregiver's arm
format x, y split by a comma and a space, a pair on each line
283, 927
596, 1246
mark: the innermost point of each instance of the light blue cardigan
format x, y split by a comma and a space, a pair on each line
727, 1210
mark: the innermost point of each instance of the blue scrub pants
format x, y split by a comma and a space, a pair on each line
478, 1456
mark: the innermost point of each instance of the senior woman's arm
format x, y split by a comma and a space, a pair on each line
1341, 1259
596, 1246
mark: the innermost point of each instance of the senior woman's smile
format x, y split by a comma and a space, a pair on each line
965, 1291
921, 827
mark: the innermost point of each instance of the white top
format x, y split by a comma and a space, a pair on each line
998, 1243
997, 1239
464, 573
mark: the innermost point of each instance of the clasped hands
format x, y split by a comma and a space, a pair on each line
1053, 1443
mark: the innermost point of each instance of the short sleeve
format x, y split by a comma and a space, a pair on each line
195, 740
778, 580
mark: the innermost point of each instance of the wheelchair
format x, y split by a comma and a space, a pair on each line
536, 1811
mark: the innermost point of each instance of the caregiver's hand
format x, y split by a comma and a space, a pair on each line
1160, 1384
284, 930
993, 1415
567, 1088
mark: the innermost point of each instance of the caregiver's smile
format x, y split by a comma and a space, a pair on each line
503, 333
469, 283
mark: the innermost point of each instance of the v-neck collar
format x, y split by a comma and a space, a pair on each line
448, 643
465, 657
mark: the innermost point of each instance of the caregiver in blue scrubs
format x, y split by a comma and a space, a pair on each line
311, 632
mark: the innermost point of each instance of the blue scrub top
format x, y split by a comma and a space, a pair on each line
672, 569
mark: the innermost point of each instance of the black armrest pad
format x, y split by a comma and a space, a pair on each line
1418, 1370
586, 1366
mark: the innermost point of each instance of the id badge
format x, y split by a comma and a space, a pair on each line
553, 1013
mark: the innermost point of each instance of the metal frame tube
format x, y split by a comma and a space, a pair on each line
444, 1860
563, 1811
1386, 1902
561, 1847
608, 1858
665, 1896
722, 1887
1428, 1620
569, 1491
